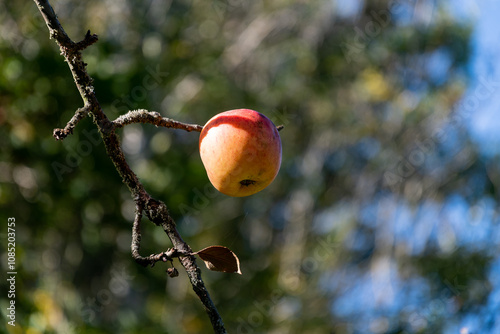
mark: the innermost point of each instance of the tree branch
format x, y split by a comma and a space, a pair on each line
136, 244
68, 129
156, 211
153, 117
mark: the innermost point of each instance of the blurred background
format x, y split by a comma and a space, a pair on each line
383, 218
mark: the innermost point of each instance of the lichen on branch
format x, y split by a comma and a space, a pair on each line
153, 117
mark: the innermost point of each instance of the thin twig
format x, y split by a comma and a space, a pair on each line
156, 211
153, 117
81, 113
86, 42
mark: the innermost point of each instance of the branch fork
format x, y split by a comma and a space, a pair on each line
150, 260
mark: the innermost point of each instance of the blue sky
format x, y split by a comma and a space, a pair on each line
484, 66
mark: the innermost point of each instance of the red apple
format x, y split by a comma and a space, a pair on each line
241, 151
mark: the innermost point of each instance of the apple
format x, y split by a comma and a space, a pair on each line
241, 151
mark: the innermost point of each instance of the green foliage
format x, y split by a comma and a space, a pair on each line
372, 149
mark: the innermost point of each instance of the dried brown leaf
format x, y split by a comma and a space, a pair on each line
220, 258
